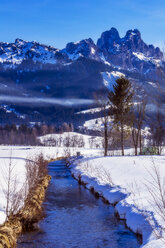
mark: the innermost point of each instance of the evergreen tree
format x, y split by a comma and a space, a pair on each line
120, 100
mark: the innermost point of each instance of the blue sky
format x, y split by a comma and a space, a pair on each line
56, 22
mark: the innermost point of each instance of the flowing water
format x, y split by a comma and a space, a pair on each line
74, 218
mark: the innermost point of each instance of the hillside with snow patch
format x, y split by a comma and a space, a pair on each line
47, 75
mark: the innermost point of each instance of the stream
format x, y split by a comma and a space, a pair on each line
75, 218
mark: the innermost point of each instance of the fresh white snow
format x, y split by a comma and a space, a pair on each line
90, 111
142, 57
17, 181
94, 124
109, 78
72, 139
19, 154
125, 181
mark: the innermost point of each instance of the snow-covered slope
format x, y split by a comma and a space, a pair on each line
109, 78
94, 124
90, 111
19, 51
72, 139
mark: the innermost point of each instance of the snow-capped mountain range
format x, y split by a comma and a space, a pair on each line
128, 53
30, 70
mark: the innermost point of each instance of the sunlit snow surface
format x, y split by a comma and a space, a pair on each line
124, 180
129, 175
18, 176
142, 57
86, 141
109, 78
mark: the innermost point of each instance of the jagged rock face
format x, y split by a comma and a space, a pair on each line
109, 40
129, 52
131, 42
85, 48
26, 53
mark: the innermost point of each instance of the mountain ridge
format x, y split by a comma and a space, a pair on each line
79, 71
123, 52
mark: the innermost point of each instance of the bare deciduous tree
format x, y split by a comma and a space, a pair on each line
102, 101
137, 122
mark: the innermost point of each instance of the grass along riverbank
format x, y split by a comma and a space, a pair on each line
24, 207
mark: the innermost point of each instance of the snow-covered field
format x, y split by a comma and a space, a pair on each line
18, 155
124, 181
129, 182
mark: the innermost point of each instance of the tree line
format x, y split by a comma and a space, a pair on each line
125, 115
25, 135
123, 120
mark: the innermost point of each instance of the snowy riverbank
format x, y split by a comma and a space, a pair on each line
123, 181
128, 182
17, 155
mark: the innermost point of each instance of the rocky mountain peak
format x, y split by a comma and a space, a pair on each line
128, 52
19, 42
132, 33
108, 38
85, 48
83, 44
113, 34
